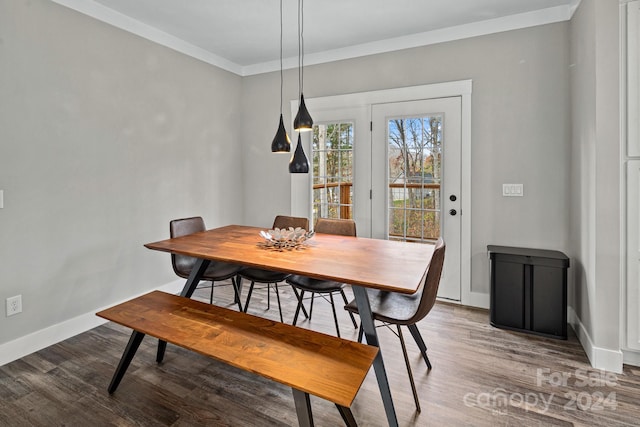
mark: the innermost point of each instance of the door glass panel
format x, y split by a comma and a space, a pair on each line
415, 176
332, 153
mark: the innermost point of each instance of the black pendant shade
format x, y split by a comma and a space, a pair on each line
299, 163
281, 142
303, 121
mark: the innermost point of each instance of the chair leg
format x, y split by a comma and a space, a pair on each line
246, 303
278, 298
295, 316
211, 296
311, 305
406, 361
304, 311
236, 293
335, 316
353, 319
268, 296
360, 333
420, 342
238, 281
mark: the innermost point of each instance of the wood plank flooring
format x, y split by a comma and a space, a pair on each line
481, 376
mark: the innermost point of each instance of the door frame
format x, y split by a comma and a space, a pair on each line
301, 183
449, 109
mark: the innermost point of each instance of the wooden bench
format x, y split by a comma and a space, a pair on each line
307, 361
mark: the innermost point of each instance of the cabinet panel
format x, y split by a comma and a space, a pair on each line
508, 295
633, 79
633, 254
549, 300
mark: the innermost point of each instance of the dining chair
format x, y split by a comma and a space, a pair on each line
216, 272
272, 278
392, 308
343, 227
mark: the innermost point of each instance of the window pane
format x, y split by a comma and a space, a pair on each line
415, 172
332, 154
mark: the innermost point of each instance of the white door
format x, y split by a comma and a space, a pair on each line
416, 178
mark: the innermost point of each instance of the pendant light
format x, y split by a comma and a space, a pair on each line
299, 163
281, 142
303, 120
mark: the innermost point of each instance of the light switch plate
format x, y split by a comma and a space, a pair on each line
512, 190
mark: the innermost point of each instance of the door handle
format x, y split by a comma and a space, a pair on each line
453, 212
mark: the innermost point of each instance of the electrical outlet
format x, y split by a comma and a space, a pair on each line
14, 305
510, 190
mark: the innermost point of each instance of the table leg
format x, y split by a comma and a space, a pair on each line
303, 408
368, 326
189, 287
347, 416
125, 360
194, 278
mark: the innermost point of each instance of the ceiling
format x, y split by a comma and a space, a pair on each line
242, 36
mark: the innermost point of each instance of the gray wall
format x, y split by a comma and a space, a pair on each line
595, 178
520, 130
104, 137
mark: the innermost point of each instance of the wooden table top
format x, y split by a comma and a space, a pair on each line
373, 263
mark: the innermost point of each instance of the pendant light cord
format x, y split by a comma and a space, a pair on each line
281, 75
300, 46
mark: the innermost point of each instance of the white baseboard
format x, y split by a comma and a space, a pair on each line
471, 299
600, 358
477, 299
631, 357
54, 334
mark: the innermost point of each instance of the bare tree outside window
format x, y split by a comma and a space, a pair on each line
415, 175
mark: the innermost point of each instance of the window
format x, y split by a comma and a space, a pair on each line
332, 152
415, 176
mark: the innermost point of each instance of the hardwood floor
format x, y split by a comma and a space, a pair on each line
481, 376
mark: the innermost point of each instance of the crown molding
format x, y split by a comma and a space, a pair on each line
491, 26
126, 23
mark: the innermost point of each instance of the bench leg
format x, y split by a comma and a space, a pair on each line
303, 408
189, 287
369, 328
125, 360
347, 416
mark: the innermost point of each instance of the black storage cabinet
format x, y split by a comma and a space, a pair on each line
529, 290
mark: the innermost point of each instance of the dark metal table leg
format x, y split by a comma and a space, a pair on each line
366, 322
125, 360
192, 282
303, 408
194, 278
347, 416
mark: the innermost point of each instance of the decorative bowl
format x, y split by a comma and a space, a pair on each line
285, 238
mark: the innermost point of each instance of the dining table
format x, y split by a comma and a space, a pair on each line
363, 263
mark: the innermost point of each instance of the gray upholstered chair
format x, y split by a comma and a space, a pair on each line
393, 308
216, 272
343, 227
272, 278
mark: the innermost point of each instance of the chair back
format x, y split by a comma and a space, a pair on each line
182, 264
283, 221
341, 227
431, 283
